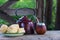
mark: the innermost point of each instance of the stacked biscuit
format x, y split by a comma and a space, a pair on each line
14, 28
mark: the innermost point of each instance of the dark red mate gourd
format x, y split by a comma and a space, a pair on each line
40, 28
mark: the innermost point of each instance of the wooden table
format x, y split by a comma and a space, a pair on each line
49, 35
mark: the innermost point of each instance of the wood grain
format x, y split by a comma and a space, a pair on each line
49, 35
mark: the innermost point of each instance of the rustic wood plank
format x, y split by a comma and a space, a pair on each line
7, 4
40, 10
7, 17
21, 11
36, 11
48, 12
57, 16
49, 35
